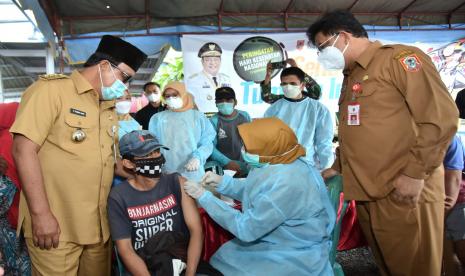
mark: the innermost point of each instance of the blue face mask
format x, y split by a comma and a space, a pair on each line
116, 90
252, 159
225, 108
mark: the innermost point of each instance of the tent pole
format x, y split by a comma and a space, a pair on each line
50, 60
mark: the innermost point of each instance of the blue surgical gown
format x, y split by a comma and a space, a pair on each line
285, 225
187, 134
127, 126
312, 124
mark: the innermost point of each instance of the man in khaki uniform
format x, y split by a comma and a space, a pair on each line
396, 120
64, 137
204, 83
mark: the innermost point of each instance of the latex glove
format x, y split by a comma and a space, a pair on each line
194, 189
407, 189
192, 165
211, 179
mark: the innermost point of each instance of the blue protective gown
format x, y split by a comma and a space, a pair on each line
187, 134
127, 126
285, 225
312, 124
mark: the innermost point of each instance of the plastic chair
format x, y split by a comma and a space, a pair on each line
336, 196
214, 167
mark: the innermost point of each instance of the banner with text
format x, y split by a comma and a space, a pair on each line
242, 65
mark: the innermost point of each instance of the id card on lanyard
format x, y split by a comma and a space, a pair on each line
353, 114
353, 108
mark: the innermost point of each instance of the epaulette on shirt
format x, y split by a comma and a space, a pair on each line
53, 77
194, 75
403, 53
399, 50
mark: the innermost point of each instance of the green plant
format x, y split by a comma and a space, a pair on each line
170, 71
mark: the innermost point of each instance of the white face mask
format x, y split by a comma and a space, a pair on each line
291, 91
331, 57
174, 102
153, 97
123, 107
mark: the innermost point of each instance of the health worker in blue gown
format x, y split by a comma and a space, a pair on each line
186, 131
287, 218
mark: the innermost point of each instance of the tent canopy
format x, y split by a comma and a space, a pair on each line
72, 29
78, 17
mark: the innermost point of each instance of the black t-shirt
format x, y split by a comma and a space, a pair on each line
143, 116
141, 214
229, 141
460, 102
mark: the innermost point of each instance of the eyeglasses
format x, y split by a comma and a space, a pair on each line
321, 47
126, 76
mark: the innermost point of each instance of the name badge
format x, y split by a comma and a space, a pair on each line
353, 118
77, 112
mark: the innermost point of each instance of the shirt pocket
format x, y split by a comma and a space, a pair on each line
82, 128
366, 99
368, 90
78, 122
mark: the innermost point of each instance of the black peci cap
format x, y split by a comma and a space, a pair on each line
225, 93
121, 51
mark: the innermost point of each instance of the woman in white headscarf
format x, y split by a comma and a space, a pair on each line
186, 131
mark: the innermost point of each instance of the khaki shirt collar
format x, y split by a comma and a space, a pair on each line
365, 58
81, 84
107, 104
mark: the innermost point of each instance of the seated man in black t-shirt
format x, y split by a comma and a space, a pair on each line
150, 204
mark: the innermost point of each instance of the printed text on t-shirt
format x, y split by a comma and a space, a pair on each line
152, 209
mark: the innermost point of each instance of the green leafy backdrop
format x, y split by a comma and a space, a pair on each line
170, 71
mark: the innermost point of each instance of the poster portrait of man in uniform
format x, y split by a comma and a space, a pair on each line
204, 83
450, 62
